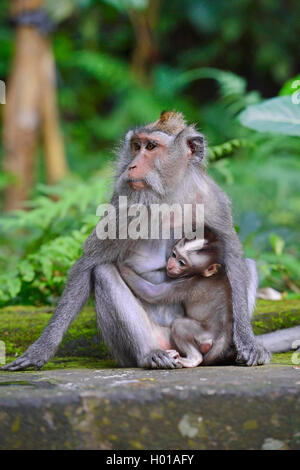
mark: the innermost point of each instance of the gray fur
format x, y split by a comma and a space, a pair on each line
282, 340
128, 325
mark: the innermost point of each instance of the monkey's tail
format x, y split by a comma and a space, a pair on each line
281, 340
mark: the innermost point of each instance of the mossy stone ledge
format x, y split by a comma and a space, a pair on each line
81, 400
20, 326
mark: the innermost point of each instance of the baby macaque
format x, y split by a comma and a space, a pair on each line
198, 279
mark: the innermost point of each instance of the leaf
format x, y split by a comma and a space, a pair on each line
277, 244
59, 10
230, 83
123, 5
47, 267
26, 270
13, 286
290, 86
277, 115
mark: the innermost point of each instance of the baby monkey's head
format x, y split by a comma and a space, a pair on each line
188, 259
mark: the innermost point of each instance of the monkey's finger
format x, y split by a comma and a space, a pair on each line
252, 360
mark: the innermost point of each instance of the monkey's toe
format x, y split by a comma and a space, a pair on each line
160, 359
256, 355
24, 362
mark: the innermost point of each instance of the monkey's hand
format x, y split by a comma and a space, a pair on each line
126, 271
253, 354
35, 356
159, 359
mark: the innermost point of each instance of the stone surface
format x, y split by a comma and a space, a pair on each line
82, 401
202, 408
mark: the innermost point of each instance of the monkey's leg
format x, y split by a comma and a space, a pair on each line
132, 337
184, 333
252, 285
75, 295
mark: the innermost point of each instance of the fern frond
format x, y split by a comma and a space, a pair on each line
217, 152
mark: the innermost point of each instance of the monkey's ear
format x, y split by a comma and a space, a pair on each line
196, 145
211, 270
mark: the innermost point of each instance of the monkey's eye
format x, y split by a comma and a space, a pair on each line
151, 145
173, 254
136, 145
181, 262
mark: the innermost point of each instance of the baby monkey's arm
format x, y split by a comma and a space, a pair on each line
168, 291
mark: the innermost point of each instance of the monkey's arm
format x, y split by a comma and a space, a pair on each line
75, 295
168, 291
249, 350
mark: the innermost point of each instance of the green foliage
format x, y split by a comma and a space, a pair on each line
291, 87
211, 60
220, 151
43, 243
279, 115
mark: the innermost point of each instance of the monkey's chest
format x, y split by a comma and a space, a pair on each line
148, 258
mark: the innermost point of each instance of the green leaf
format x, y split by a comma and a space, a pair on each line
26, 270
277, 115
277, 244
47, 267
13, 286
291, 86
123, 5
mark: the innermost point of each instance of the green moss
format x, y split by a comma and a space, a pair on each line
75, 363
275, 315
283, 359
20, 327
271, 306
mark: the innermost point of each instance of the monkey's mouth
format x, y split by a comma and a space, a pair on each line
137, 183
172, 274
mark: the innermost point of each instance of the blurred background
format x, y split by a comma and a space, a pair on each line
79, 73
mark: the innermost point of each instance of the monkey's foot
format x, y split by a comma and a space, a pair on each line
174, 354
159, 359
253, 355
31, 358
185, 361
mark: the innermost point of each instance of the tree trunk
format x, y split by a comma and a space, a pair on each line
56, 164
21, 117
30, 106
145, 52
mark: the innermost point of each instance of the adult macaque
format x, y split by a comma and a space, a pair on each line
200, 282
162, 162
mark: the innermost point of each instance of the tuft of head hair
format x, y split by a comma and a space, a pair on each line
169, 122
195, 244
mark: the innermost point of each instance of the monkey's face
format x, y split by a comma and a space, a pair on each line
149, 154
152, 163
178, 264
183, 263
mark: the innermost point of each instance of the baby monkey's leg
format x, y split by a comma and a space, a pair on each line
191, 340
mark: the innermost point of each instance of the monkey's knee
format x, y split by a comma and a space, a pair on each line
186, 327
179, 324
